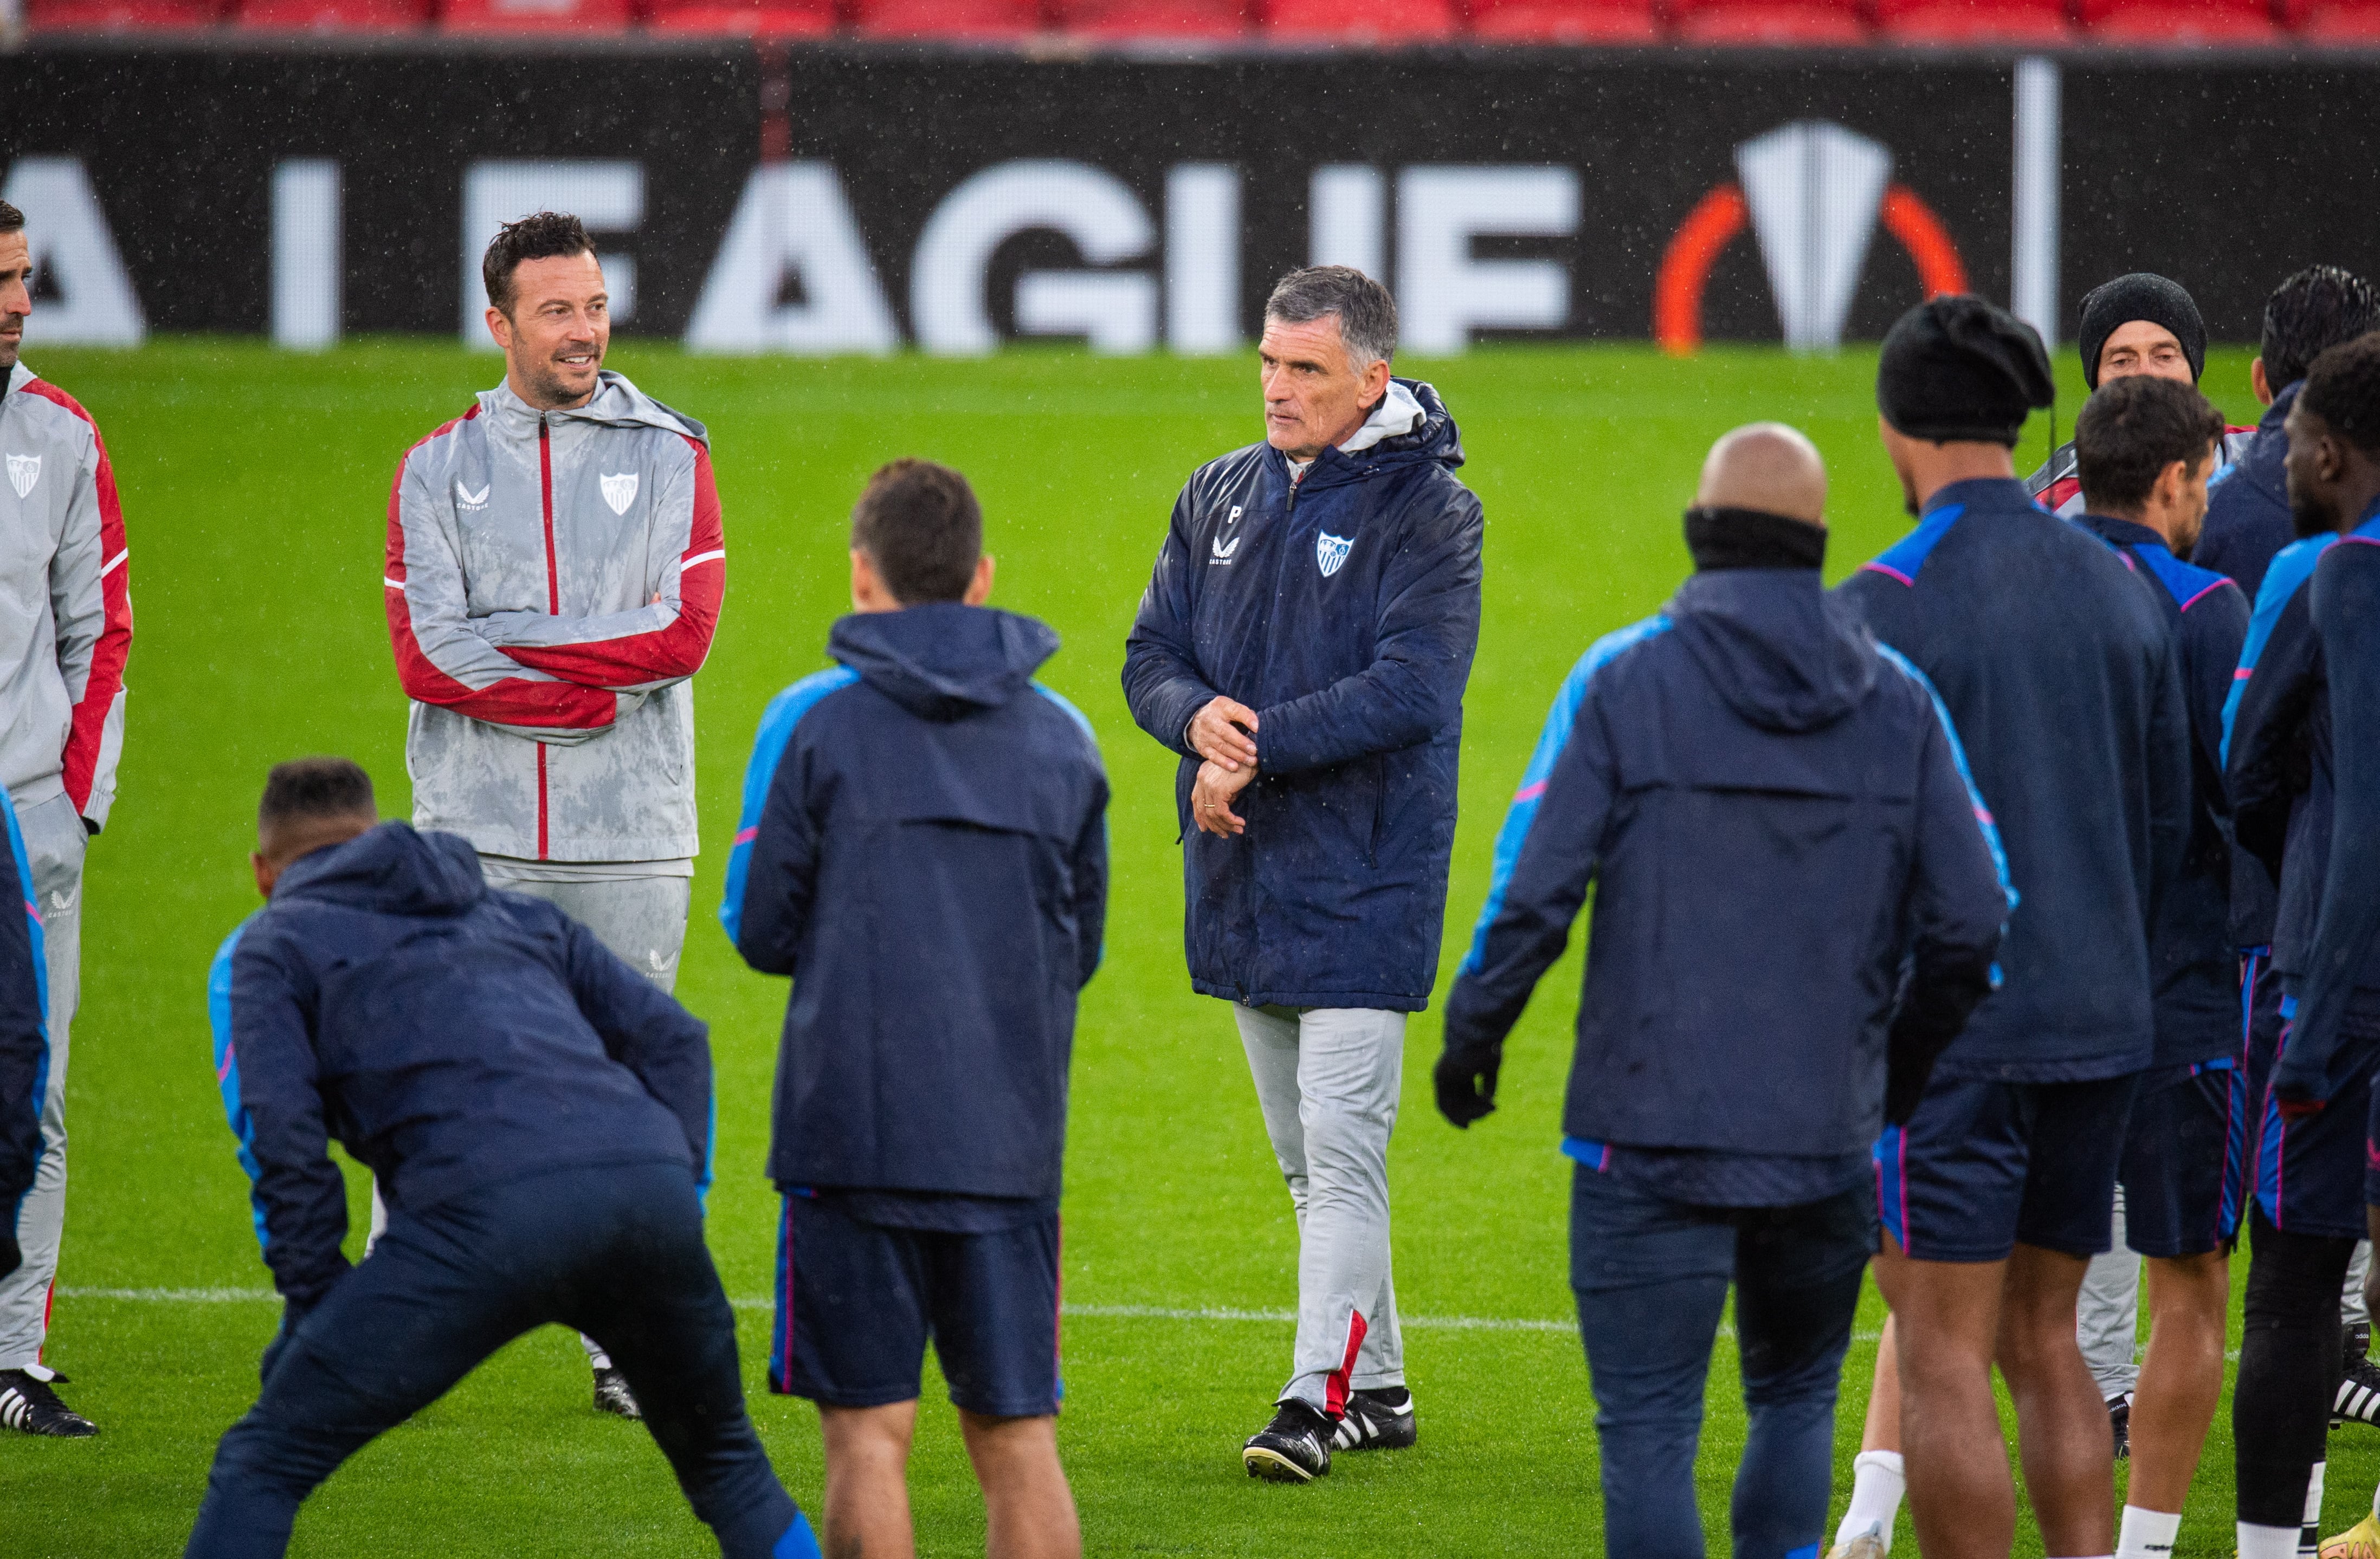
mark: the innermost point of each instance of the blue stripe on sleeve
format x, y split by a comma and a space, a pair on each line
1550, 743
33, 936
1966, 776
1905, 556
777, 722
227, 1072
2290, 568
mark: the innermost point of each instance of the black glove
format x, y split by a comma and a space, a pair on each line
1465, 1076
11, 1256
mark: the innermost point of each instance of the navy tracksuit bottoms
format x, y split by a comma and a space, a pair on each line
615, 1253
1652, 1277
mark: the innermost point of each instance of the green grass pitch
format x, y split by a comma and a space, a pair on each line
255, 488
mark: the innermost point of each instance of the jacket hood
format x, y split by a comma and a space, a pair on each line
1434, 440
942, 660
616, 403
392, 870
1783, 652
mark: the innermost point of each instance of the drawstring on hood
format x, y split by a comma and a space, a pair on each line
390, 870
943, 659
1783, 652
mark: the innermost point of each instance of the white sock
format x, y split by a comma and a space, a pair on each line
2267, 1542
2376, 1502
2147, 1534
1877, 1483
2310, 1535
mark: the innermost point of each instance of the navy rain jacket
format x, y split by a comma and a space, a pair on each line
2063, 679
24, 1032
2195, 959
448, 1035
2342, 957
2248, 502
1344, 610
2277, 749
1775, 813
924, 850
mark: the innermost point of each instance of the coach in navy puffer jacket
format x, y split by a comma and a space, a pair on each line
1344, 610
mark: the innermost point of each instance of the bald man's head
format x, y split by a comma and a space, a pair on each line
1768, 466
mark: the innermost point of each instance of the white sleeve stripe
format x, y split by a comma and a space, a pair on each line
702, 558
392, 584
115, 562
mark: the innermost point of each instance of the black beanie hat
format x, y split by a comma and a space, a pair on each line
1956, 369
2141, 296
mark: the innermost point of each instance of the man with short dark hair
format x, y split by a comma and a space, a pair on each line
2140, 323
554, 570
1303, 645
1714, 771
2144, 447
2303, 797
537, 1115
923, 848
62, 661
1995, 1193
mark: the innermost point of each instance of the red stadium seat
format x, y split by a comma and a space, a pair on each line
1564, 22
949, 19
1974, 21
534, 15
1769, 21
1360, 21
1122, 20
2352, 21
746, 19
2180, 21
332, 15
120, 16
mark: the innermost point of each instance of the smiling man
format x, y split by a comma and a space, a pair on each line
62, 657
1304, 646
554, 571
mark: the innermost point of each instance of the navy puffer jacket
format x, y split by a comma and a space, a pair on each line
1344, 608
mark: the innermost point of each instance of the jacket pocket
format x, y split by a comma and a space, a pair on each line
1379, 811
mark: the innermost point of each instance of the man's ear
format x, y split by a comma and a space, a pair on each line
1376, 383
979, 590
267, 873
2260, 382
500, 327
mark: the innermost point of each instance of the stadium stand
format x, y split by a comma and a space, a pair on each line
1565, 21
966, 20
746, 19
1123, 21
332, 15
2352, 21
1770, 21
120, 16
2180, 21
534, 15
2026, 22
1361, 21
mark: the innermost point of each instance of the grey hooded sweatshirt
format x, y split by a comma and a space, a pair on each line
552, 579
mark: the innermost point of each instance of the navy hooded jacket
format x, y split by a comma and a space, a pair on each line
449, 1036
2277, 749
1773, 811
2195, 959
1344, 610
2341, 964
2248, 502
924, 850
24, 1032
2062, 675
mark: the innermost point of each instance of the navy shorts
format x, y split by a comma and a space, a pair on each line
2310, 1173
857, 1303
1982, 1166
2172, 1167
2260, 1046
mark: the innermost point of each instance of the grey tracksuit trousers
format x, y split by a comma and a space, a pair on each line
54, 840
1328, 1079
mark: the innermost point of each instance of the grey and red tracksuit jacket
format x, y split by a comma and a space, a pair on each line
65, 639
2058, 485
552, 580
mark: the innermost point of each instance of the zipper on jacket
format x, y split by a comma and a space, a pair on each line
552, 594
545, 493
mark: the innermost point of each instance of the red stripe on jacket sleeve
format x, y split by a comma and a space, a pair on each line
114, 645
678, 650
513, 701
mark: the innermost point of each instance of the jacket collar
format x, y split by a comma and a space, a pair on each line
615, 404
2278, 412
1982, 492
2122, 533
19, 377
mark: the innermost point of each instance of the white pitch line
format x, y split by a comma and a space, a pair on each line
1101, 1312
